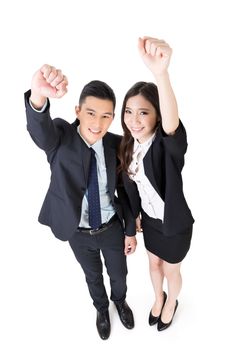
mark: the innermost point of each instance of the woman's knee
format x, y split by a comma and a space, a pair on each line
171, 270
155, 262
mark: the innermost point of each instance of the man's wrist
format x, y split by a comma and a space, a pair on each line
35, 106
37, 101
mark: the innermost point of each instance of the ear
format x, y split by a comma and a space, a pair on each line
77, 111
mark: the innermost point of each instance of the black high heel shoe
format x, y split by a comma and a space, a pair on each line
161, 325
154, 319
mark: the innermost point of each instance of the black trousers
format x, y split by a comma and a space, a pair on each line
87, 250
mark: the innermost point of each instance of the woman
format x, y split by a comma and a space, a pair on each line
152, 157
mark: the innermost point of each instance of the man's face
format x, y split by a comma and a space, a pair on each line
95, 116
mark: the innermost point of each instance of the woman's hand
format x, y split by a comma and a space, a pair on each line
155, 54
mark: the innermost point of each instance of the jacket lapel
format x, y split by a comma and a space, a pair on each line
150, 164
86, 158
110, 161
82, 152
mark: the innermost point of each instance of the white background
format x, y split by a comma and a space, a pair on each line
44, 303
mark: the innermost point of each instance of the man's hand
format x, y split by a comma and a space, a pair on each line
155, 53
47, 82
130, 245
138, 224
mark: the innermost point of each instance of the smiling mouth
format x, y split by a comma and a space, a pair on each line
136, 129
95, 132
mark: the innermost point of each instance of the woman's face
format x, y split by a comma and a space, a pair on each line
140, 118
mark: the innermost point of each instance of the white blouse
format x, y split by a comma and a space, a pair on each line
151, 201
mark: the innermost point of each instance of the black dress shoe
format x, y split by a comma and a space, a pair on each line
125, 314
162, 326
103, 324
154, 319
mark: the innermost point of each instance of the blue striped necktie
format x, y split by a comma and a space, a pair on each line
93, 194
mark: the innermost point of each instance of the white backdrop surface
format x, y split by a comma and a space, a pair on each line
44, 303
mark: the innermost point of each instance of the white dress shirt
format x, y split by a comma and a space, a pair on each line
107, 210
151, 201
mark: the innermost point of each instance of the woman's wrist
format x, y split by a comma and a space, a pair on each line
161, 77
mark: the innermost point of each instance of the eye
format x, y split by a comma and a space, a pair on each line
143, 113
127, 111
92, 114
106, 116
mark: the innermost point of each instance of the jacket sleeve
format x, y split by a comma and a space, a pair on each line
130, 202
128, 217
176, 144
41, 127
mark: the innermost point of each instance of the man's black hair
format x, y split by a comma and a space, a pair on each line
98, 89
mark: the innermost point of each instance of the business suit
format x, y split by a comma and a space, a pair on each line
163, 165
69, 159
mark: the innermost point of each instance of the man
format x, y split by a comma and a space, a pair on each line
81, 205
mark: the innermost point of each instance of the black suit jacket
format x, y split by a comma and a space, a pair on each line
163, 165
69, 159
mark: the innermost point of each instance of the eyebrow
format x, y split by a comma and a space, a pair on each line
92, 110
140, 109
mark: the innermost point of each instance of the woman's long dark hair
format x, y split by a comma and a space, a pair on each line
150, 92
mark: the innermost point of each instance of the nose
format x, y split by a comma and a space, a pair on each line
135, 118
96, 124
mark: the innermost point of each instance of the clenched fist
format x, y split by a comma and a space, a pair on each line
47, 82
155, 53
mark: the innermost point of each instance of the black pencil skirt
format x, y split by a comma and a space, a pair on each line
172, 249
